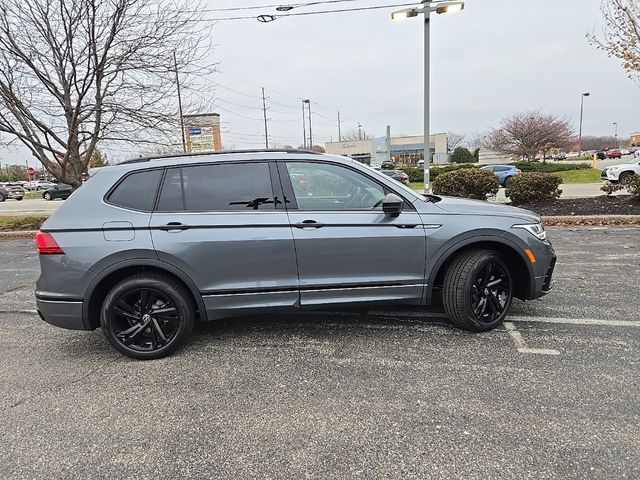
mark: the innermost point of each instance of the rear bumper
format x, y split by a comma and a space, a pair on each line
61, 313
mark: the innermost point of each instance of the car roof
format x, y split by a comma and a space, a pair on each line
225, 156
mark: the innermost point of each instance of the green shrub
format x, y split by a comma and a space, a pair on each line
416, 174
467, 183
533, 187
550, 167
634, 187
462, 155
610, 188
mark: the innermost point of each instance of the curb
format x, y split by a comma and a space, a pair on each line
591, 220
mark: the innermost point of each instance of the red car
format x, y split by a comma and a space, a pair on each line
614, 154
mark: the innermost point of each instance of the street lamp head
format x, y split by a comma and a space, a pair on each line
449, 7
404, 14
306, 101
586, 94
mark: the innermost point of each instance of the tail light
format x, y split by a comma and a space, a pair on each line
47, 245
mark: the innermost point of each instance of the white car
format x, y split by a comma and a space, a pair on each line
39, 185
622, 172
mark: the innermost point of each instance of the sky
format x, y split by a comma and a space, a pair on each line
495, 58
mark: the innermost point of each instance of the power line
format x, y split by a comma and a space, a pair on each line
278, 5
300, 14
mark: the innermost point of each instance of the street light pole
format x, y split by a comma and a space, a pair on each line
615, 124
581, 111
427, 144
428, 6
308, 102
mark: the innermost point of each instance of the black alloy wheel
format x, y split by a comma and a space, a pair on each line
490, 292
147, 316
478, 290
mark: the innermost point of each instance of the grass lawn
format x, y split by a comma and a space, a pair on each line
591, 175
30, 222
417, 185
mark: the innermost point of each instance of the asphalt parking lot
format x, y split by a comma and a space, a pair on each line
553, 394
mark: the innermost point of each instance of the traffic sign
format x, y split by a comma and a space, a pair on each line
32, 171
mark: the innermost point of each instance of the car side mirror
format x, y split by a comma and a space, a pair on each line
392, 205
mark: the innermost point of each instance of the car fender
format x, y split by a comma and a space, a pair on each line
436, 259
140, 262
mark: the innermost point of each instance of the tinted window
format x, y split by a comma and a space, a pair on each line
137, 191
241, 186
332, 187
502, 169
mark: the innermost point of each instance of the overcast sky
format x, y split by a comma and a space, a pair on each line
495, 58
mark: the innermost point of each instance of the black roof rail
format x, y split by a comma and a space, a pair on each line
225, 152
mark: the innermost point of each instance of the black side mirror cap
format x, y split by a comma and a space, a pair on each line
392, 205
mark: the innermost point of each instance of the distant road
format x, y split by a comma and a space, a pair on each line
37, 206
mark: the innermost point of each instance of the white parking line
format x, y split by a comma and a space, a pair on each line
521, 345
575, 321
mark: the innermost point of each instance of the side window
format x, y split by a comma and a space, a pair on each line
331, 187
221, 187
137, 191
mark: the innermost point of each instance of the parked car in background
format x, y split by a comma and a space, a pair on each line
615, 153
503, 172
11, 191
387, 166
157, 244
560, 156
397, 175
622, 172
601, 155
625, 151
39, 185
59, 190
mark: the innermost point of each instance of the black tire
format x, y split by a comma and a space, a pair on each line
47, 196
463, 291
132, 327
38, 189
1, 198
19, 198
625, 177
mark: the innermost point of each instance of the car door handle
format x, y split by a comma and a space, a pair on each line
308, 224
173, 226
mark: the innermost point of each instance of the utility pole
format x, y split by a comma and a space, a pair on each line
264, 111
304, 128
308, 102
184, 143
615, 124
339, 124
359, 131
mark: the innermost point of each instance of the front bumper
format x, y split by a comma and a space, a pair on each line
608, 175
61, 313
543, 284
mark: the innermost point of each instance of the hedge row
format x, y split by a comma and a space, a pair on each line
416, 174
550, 167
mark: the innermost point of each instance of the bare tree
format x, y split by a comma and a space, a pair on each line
454, 140
526, 134
77, 72
598, 143
621, 34
354, 135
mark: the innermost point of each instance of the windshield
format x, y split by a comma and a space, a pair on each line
635, 161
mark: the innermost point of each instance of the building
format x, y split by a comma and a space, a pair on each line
406, 150
202, 132
634, 140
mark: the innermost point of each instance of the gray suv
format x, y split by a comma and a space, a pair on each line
148, 247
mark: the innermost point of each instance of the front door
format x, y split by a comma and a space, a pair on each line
348, 250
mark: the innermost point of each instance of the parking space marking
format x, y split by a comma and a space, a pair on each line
576, 321
522, 346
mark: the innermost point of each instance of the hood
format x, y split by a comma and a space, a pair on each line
478, 207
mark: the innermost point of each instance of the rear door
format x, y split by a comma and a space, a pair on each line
348, 250
225, 226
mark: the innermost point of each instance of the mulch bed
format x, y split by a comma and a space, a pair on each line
602, 205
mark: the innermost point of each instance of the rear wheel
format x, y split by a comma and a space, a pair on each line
47, 196
478, 290
19, 198
1, 198
147, 316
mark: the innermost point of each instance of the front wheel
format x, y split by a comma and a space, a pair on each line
625, 177
147, 316
478, 290
47, 196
